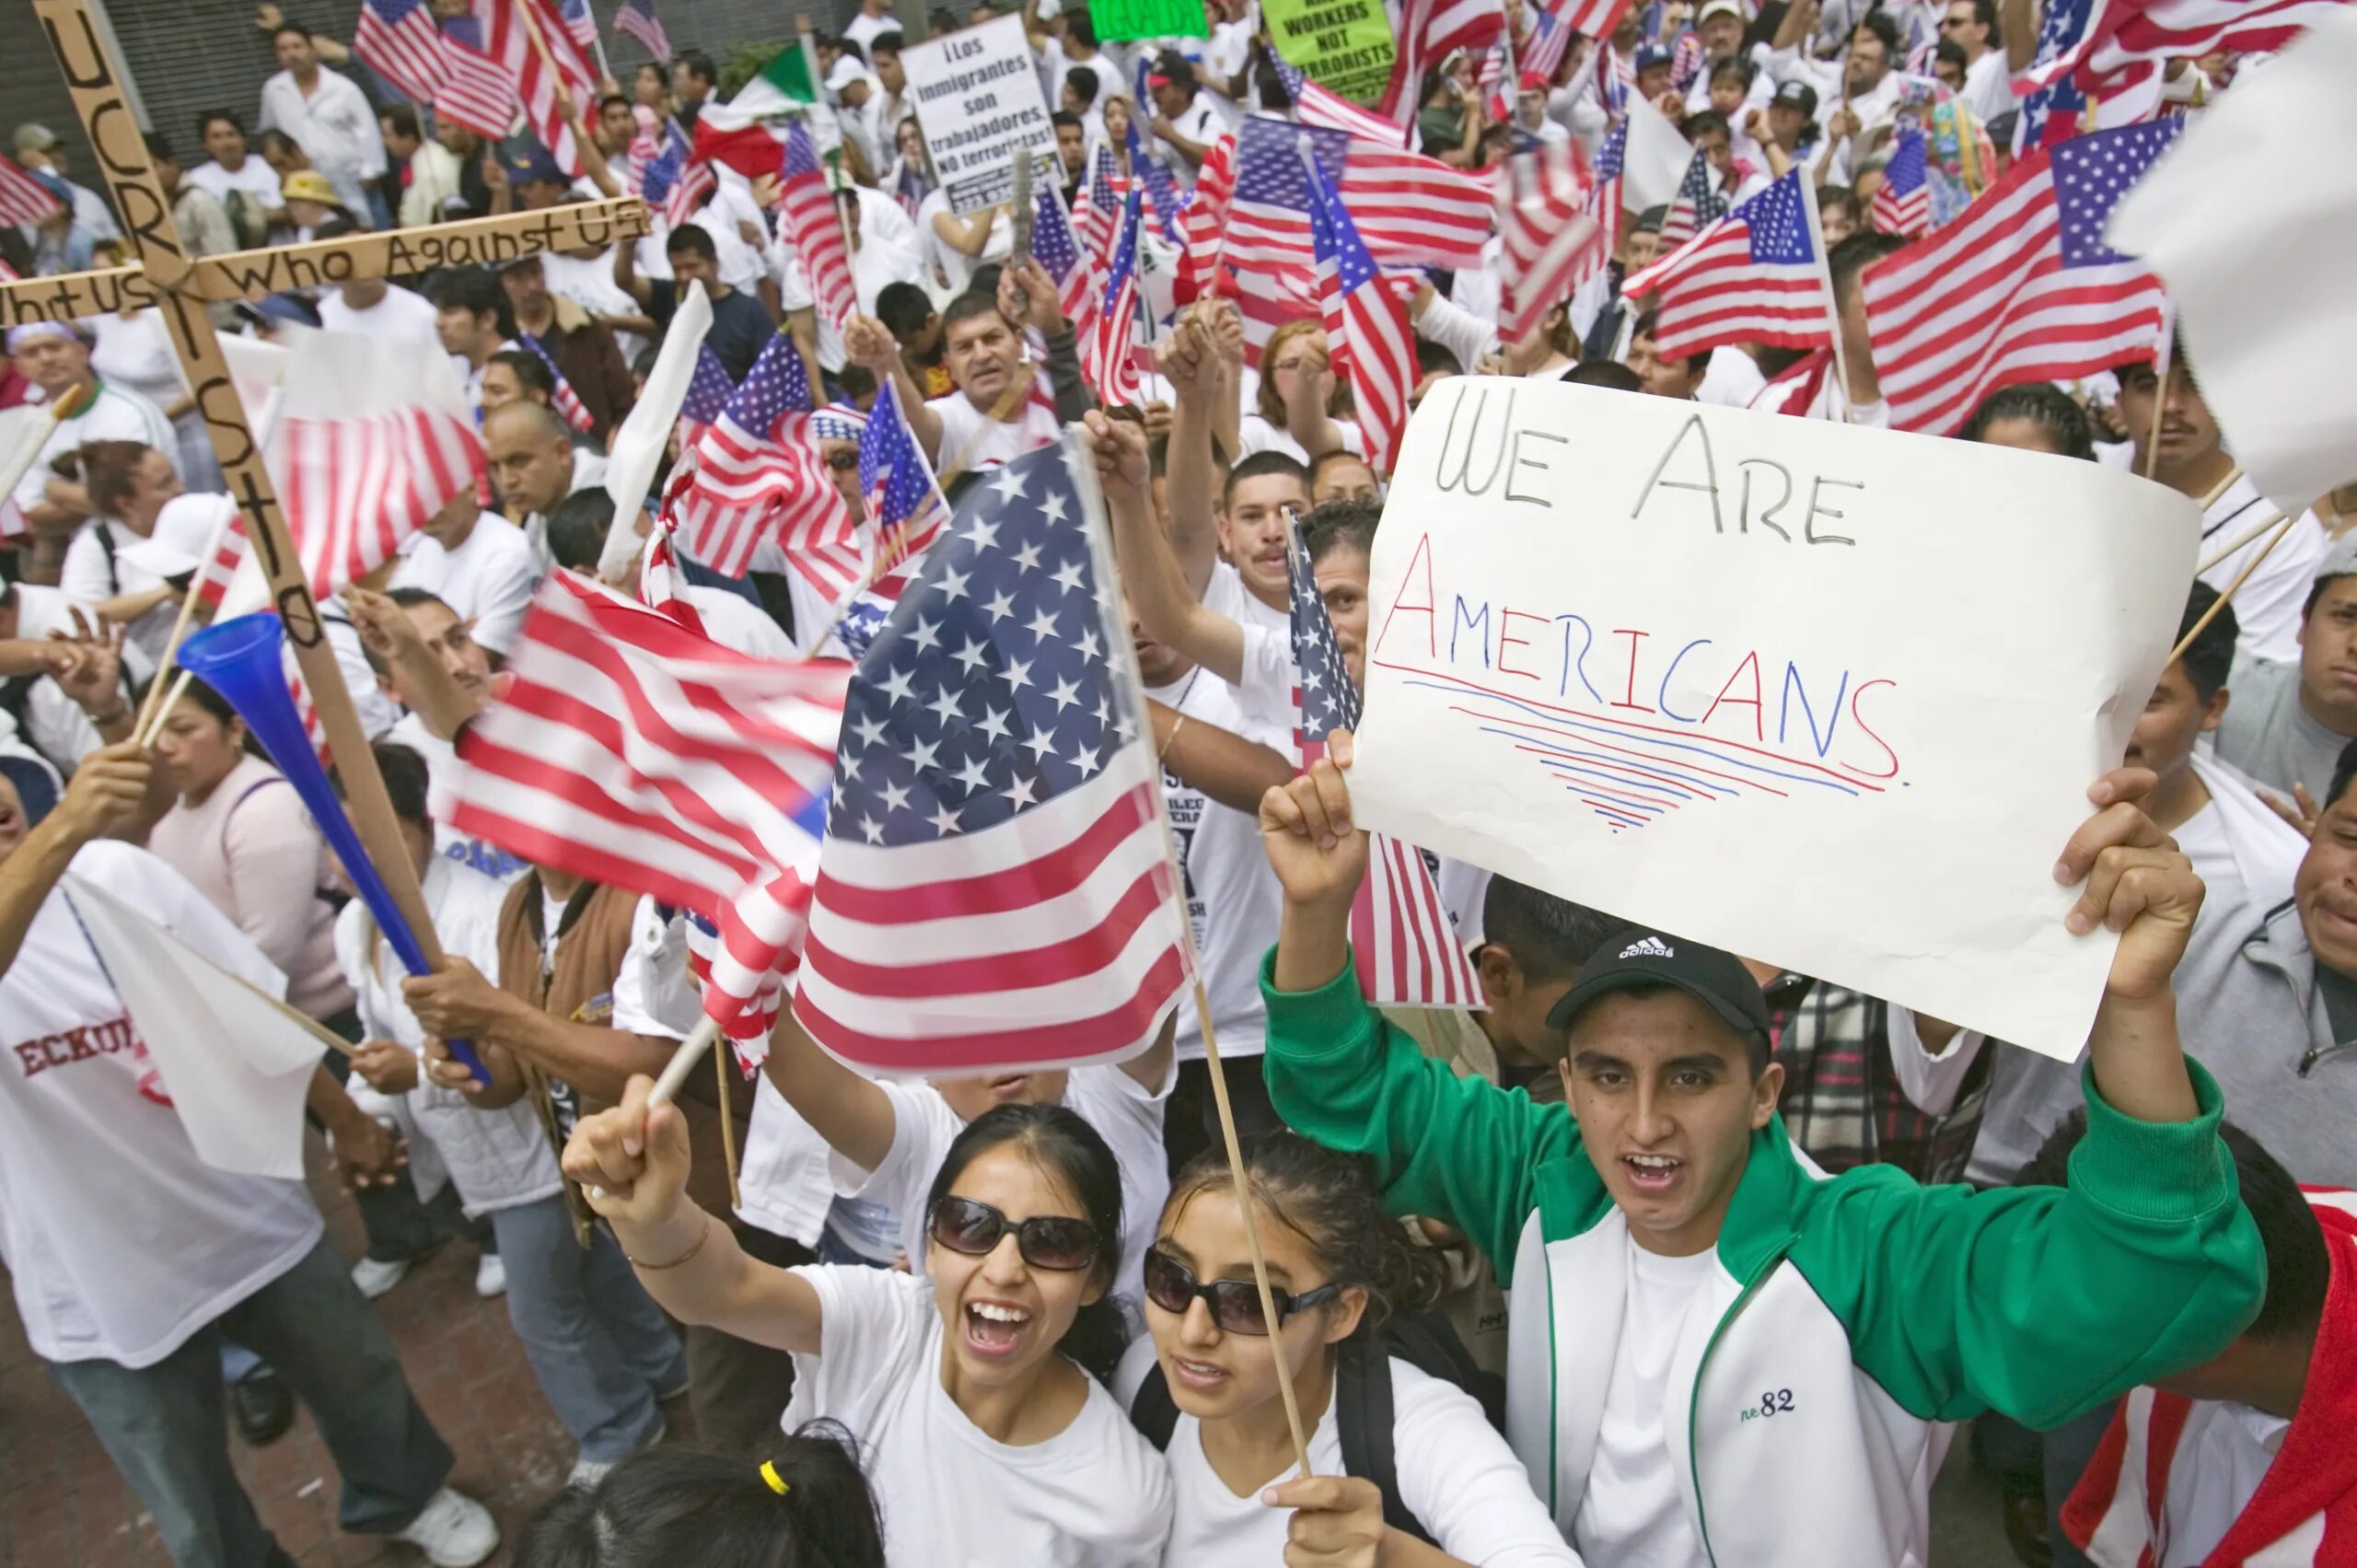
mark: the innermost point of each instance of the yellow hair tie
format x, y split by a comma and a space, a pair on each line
769, 1473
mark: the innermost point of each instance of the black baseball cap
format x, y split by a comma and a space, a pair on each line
1637, 957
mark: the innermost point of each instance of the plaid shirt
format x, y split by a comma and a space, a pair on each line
1843, 1102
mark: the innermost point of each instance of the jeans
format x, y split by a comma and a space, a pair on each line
599, 1347
2050, 1462
165, 1429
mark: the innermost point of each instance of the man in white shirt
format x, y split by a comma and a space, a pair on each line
246, 184
468, 304
1857, 95
535, 465
434, 174
996, 413
374, 307
37, 146
330, 119
1186, 121
476, 562
132, 1258
1972, 26
875, 17
56, 359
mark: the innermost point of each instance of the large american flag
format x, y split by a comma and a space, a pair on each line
757, 476
1551, 243
1366, 324
1405, 950
2052, 102
806, 207
1698, 205
1097, 211
508, 41
1754, 276
1314, 104
23, 198
481, 91
1108, 364
1902, 203
2112, 53
631, 752
675, 182
2022, 287
995, 888
396, 38
637, 19
1430, 31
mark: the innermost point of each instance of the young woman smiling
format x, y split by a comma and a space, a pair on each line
990, 1442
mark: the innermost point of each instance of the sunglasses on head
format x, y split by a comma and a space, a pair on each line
1046, 1241
1235, 1304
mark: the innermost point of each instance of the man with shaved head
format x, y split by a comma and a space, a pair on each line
535, 465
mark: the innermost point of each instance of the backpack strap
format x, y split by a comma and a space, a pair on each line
1152, 1410
1364, 1420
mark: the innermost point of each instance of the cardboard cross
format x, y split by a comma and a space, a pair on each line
179, 285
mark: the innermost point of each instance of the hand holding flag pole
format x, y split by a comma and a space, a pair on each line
21, 461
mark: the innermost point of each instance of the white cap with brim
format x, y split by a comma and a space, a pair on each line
183, 528
847, 71
1713, 8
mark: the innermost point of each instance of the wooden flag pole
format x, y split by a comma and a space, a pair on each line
2222, 487
2283, 530
21, 460
704, 1037
2274, 517
157, 704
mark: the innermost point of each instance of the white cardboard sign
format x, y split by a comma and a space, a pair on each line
1824, 696
978, 100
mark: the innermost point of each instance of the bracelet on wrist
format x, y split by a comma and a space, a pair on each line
703, 1234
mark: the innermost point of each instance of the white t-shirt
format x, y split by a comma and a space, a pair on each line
116, 413
1095, 1495
1732, 380
441, 759
862, 28
254, 177
121, 1241
1255, 434
87, 580
1634, 1513
2222, 1455
953, 267
972, 435
491, 578
783, 1186
1127, 1117
401, 317
135, 353
1457, 1476
2267, 608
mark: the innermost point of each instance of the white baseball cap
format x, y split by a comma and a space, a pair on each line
183, 528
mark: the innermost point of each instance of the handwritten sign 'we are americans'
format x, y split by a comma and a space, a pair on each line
1825, 696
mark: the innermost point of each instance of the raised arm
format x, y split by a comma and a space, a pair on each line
1229, 769
107, 791
1189, 358
633, 1166
626, 276
1150, 576
868, 342
845, 1108
385, 631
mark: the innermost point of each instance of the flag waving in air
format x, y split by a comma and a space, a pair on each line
396, 38
995, 889
1551, 243
806, 207
1109, 366
1366, 323
637, 19
1754, 276
1902, 203
757, 476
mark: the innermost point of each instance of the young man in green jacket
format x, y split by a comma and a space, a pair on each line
1716, 1354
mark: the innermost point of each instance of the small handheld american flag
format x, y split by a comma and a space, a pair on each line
397, 39
567, 402
1902, 203
637, 19
1754, 276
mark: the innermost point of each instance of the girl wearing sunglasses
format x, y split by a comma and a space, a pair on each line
975, 1391
1339, 1266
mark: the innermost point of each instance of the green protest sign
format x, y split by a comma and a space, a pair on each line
1116, 19
1343, 45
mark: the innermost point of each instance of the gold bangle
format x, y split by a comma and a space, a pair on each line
1171, 739
702, 1236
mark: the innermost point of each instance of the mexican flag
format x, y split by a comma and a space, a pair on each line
743, 133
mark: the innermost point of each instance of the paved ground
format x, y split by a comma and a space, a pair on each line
61, 1505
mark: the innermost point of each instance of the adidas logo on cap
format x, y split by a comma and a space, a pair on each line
1649, 947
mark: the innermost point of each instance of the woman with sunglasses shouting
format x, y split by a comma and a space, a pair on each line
1205, 1386
990, 1442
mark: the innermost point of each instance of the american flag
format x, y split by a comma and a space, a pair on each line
2123, 66
1430, 31
1096, 212
637, 19
807, 206
709, 389
508, 41
1550, 243
1366, 323
1698, 205
631, 752
1059, 252
23, 198
675, 182
1902, 204
662, 584
568, 403
1401, 942
757, 475
903, 498
1204, 222
1754, 276
995, 889
1550, 38
1162, 197
1109, 366
1315, 105
580, 25
1597, 19
396, 38
1604, 201
2022, 287
481, 93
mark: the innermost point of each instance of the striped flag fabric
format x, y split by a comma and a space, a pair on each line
1550, 243
1605, 199
662, 585
1366, 323
1109, 366
2123, 68
1402, 945
631, 752
675, 182
1698, 205
903, 498
2023, 287
509, 42
565, 399
1058, 251
995, 890
807, 209
1204, 222
479, 92
1754, 276
1314, 104
1902, 203
1096, 212
1429, 32
1549, 40
580, 25
637, 19
397, 39
757, 475
23, 198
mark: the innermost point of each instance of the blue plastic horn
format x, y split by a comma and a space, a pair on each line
239, 658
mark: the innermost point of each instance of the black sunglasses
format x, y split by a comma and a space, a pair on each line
1046, 1241
1235, 1304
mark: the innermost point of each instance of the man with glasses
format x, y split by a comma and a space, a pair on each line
1972, 26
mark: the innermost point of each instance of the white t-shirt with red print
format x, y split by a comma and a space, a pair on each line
120, 1240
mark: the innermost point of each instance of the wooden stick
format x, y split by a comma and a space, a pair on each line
675, 1072
21, 461
720, 1054
2222, 487
150, 708
2272, 518
151, 726
2283, 530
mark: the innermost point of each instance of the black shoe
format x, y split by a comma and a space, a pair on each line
2025, 1516
263, 1406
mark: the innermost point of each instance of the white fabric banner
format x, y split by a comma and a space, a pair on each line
1827, 697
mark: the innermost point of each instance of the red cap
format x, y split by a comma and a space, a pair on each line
1535, 82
